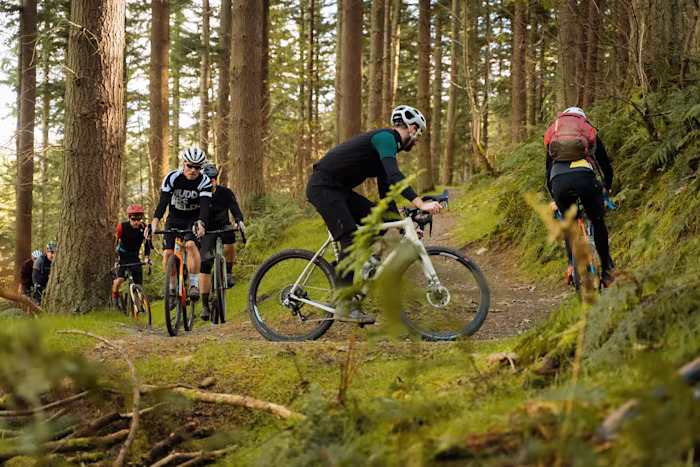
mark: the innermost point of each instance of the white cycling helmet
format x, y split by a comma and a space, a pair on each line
408, 115
36, 254
194, 156
575, 110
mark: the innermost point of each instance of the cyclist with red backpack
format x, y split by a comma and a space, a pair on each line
130, 237
574, 153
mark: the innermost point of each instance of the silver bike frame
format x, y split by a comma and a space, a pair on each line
410, 235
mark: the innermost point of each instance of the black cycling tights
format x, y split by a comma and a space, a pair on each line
566, 187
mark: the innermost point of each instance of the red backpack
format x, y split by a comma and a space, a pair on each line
569, 138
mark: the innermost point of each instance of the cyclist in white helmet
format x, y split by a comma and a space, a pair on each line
186, 192
367, 155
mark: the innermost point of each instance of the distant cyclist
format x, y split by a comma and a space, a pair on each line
367, 155
41, 271
223, 202
186, 192
130, 237
573, 151
25, 275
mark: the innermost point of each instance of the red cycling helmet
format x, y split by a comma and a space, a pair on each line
134, 209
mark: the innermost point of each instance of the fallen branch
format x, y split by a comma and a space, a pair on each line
228, 399
163, 447
77, 444
35, 410
121, 458
192, 458
24, 302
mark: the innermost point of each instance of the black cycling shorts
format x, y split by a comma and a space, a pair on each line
208, 242
136, 270
180, 224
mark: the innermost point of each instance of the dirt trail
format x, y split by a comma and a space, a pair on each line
516, 304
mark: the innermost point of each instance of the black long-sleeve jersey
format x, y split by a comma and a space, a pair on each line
223, 201
370, 154
188, 199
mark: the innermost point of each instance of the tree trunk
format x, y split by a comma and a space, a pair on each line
425, 180
204, 81
396, 49
265, 111
582, 28
487, 82
25, 137
45, 127
448, 166
595, 11
386, 63
531, 67
223, 119
475, 124
350, 122
160, 44
93, 141
518, 77
374, 103
688, 43
338, 85
246, 131
176, 61
301, 146
310, 65
567, 68
436, 118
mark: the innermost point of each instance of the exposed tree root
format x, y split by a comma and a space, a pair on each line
24, 302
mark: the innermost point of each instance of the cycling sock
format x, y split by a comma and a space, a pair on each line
194, 280
228, 267
205, 300
115, 294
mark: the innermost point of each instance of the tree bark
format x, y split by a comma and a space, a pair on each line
531, 67
448, 166
265, 111
374, 103
396, 49
425, 179
386, 62
567, 73
204, 81
595, 12
223, 118
94, 133
337, 82
350, 122
436, 118
246, 131
177, 62
25, 137
160, 45
487, 82
518, 75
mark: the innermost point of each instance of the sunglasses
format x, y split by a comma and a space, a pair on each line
196, 167
136, 218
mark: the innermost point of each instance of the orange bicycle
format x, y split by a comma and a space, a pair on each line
176, 302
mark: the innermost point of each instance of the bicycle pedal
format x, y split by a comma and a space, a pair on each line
361, 325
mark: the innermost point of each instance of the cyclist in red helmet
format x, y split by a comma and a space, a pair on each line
130, 236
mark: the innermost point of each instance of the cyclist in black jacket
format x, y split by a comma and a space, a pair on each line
223, 201
567, 180
130, 237
370, 154
186, 193
41, 271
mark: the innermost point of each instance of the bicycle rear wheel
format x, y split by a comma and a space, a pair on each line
172, 303
145, 303
455, 308
276, 315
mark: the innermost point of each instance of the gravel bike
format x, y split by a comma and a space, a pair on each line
134, 300
219, 281
179, 308
444, 294
593, 270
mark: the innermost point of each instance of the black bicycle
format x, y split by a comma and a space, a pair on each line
219, 281
134, 300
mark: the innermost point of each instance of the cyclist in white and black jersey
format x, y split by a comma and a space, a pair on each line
186, 192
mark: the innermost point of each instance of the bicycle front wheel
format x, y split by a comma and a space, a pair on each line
219, 292
145, 304
172, 303
275, 313
455, 306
